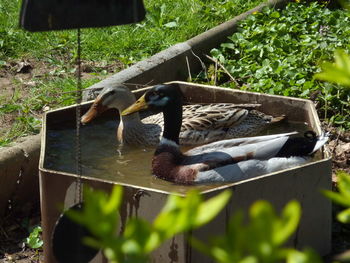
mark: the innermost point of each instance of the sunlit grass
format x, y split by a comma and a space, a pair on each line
167, 22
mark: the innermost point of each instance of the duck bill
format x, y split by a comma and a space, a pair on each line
96, 109
140, 104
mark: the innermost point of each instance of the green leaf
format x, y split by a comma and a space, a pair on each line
137, 233
228, 45
344, 216
275, 14
336, 197
288, 223
307, 256
338, 72
211, 208
182, 214
114, 201
344, 184
34, 240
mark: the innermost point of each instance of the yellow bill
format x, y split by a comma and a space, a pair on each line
140, 104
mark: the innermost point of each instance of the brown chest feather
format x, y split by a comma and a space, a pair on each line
167, 166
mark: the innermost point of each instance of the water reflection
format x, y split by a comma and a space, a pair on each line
104, 159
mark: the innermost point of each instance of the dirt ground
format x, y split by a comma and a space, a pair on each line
17, 77
14, 229
14, 225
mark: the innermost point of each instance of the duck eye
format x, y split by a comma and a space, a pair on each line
153, 95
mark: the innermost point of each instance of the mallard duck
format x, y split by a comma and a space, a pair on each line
223, 161
202, 123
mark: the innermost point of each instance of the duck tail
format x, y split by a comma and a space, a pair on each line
278, 119
303, 146
321, 140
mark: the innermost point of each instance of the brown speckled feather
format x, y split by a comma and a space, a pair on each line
202, 123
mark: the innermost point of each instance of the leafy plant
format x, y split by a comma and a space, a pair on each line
339, 73
100, 216
342, 197
34, 240
260, 240
279, 51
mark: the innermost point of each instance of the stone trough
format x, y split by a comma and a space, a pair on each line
303, 183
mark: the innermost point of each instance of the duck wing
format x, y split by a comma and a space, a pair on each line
211, 116
154, 119
248, 169
224, 144
253, 124
250, 159
216, 158
206, 123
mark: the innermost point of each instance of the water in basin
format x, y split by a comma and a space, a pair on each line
104, 159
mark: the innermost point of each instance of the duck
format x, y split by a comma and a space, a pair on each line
201, 123
230, 160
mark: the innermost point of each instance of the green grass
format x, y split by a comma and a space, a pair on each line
167, 22
27, 111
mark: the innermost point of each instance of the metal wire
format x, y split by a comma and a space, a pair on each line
78, 161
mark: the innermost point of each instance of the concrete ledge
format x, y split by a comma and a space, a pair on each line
161, 67
173, 62
19, 173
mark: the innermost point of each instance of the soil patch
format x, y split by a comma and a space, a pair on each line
18, 77
14, 229
339, 147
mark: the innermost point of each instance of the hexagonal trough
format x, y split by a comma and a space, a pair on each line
144, 195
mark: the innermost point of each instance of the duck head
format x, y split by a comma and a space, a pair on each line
159, 98
167, 98
114, 97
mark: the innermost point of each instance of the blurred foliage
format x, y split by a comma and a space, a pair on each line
342, 198
261, 240
337, 72
180, 214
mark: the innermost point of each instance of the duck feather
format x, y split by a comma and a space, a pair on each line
202, 123
224, 161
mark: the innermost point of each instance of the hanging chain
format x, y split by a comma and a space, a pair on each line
78, 188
